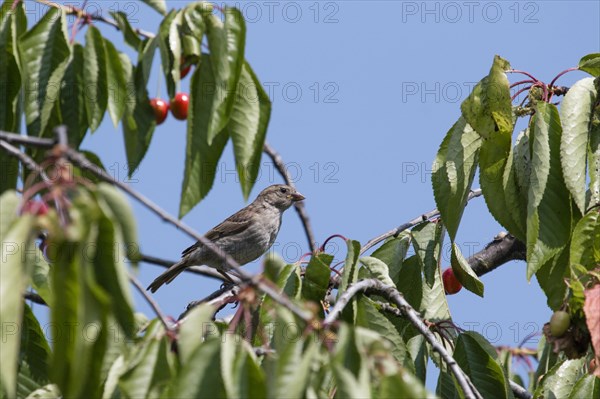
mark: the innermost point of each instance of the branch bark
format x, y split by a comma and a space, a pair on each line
395, 297
299, 206
501, 250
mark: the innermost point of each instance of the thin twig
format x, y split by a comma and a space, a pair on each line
136, 283
299, 206
200, 270
246, 278
394, 296
72, 10
419, 219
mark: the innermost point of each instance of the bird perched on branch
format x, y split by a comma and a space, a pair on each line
245, 235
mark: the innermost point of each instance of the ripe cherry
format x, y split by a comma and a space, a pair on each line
185, 70
160, 108
451, 283
179, 106
34, 207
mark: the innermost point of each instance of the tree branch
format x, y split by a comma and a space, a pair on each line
299, 206
200, 270
72, 10
395, 297
136, 283
255, 281
501, 250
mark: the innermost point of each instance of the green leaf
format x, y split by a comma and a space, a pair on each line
40, 277
369, 316
201, 157
590, 64
316, 278
73, 98
95, 65
378, 270
350, 277
116, 82
516, 182
196, 324
226, 43
129, 34
80, 305
148, 366
49, 391
402, 385
464, 273
561, 379
111, 272
13, 281
158, 5
588, 386
551, 279
478, 359
122, 216
247, 127
586, 237
350, 366
241, 373
392, 253
9, 206
427, 243
594, 159
549, 204
575, 115
488, 109
493, 159
169, 44
34, 347
138, 120
201, 375
453, 172
10, 89
10, 109
44, 52
287, 373
424, 268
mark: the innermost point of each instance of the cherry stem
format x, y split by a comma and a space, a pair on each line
520, 91
551, 85
520, 82
322, 249
523, 73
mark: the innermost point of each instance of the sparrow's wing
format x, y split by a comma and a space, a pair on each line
234, 224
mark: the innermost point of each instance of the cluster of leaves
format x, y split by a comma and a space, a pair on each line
101, 348
536, 188
544, 189
55, 81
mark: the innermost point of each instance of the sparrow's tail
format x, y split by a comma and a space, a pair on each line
168, 275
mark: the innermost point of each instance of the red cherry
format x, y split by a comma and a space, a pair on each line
185, 70
160, 108
33, 207
179, 106
451, 283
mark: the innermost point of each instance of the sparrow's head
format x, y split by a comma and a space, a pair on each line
280, 196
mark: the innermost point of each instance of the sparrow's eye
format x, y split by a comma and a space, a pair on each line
283, 190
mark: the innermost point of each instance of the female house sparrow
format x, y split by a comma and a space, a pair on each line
245, 235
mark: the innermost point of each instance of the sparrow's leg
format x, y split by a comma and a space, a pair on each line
229, 279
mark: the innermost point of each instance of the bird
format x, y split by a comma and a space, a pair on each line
245, 235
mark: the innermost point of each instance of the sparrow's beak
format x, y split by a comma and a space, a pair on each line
297, 197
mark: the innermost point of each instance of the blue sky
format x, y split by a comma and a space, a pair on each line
363, 93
